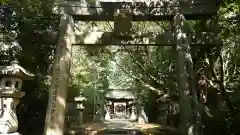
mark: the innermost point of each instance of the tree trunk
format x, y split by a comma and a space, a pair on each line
186, 124
223, 91
54, 123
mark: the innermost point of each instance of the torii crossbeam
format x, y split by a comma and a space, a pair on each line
141, 10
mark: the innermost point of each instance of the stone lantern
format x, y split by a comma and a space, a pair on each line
80, 100
102, 104
107, 116
10, 95
133, 115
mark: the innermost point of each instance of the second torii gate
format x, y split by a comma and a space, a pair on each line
159, 10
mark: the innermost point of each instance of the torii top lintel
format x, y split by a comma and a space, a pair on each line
140, 10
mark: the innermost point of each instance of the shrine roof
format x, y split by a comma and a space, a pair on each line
16, 70
120, 94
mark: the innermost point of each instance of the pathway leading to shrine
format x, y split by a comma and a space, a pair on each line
121, 119
122, 127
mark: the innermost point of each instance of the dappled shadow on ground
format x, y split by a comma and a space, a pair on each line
123, 127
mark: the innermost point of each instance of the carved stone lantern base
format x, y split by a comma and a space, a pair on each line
8, 117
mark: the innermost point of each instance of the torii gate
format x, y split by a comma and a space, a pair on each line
175, 11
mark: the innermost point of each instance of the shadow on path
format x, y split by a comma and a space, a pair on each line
119, 127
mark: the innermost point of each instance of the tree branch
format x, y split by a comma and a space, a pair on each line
220, 82
225, 97
210, 82
161, 25
149, 58
110, 26
142, 67
146, 85
159, 92
234, 73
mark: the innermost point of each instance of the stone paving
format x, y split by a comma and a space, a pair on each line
120, 124
121, 127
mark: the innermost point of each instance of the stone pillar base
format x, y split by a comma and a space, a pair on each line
16, 133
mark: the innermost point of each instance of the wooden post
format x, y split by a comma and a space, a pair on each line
183, 87
196, 120
54, 122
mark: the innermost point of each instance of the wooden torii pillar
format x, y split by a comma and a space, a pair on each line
187, 90
181, 70
54, 123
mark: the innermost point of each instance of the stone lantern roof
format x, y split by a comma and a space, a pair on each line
16, 70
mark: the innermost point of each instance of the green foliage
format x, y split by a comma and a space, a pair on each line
221, 64
23, 26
